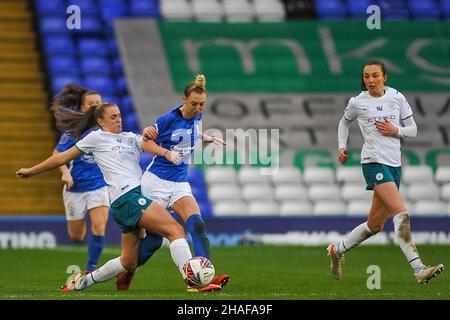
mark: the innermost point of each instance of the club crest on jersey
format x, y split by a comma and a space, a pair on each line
142, 201
379, 176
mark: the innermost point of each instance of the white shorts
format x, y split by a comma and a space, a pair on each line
77, 204
165, 192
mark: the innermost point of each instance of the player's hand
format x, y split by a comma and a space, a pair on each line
386, 128
150, 133
173, 157
213, 139
67, 180
343, 155
24, 173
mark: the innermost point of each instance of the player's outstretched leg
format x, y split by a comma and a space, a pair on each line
147, 248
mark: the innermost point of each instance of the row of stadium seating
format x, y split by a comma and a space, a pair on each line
250, 10
90, 58
319, 191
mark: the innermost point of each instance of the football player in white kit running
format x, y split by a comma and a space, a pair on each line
117, 154
380, 112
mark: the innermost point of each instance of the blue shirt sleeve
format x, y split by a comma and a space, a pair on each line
163, 124
65, 143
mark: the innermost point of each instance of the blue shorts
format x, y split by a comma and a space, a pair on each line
378, 173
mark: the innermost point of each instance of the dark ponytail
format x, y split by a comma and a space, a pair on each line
373, 62
71, 96
75, 123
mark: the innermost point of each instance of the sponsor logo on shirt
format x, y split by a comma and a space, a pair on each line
381, 118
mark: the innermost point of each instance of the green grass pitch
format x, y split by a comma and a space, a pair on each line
258, 272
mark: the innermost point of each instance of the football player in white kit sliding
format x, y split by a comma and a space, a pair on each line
384, 116
117, 154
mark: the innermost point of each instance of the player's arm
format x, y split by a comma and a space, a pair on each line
56, 160
409, 129
151, 147
350, 114
66, 177
343, 131
214, 139
387, 128
150, 133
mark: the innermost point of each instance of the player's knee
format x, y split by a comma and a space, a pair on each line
176, 231
77, 238
98, 229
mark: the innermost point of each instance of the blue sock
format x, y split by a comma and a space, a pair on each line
149, 245
95, 250
196, 227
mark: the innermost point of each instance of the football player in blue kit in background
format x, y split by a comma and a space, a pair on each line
85, 189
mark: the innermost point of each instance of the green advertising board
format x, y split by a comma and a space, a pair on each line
307, 56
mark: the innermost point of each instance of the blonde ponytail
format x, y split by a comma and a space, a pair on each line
197, 86
200, 81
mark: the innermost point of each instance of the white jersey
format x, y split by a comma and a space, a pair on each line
367, 109
117, 156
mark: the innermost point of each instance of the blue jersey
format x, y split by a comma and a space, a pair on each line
178, 134
85, 172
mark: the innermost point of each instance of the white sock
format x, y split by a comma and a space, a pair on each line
355, 237
405, 241
107, 271
180, 252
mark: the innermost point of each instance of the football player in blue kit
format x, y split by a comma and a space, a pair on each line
85, 190
177, 132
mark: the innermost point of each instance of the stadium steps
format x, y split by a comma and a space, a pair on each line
26, 135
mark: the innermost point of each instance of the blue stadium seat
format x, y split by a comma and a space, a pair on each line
111, 98
85, 5
126, 106
358, 8
53, 24
53, 7
95, 65
91, 24
331, 9
58, 45
445, 8
58, 64
122, 86
131, 123
58, 82
394, 10
112, 46
113, 9
148, 8
103, 84
117, 65
93, 47
424, 9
